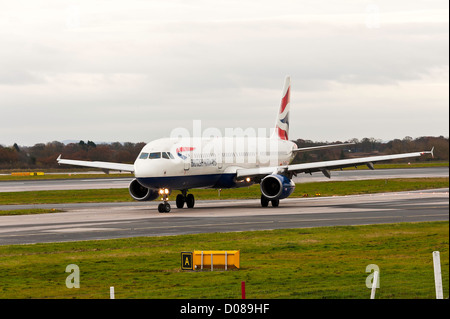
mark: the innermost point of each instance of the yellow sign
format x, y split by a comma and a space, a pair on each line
216, 259
186, 261
219, 259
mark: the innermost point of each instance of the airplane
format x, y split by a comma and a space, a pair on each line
182, 164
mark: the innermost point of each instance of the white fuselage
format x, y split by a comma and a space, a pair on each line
212, 162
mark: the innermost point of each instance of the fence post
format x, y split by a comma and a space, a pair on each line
438, 275
374, 284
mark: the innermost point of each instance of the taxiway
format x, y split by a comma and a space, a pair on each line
121, 220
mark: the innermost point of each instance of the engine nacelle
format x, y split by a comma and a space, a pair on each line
141, 193
277, 186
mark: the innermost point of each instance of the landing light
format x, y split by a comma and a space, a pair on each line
248, 179
163, 191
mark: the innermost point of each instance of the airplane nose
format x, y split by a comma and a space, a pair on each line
158, 173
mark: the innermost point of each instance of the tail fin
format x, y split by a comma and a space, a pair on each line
282, 122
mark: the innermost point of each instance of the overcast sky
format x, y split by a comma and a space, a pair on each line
134, 70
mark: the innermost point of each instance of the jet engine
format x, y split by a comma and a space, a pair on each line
141, 193
276, 186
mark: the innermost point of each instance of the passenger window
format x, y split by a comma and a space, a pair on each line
143, 156
155, 155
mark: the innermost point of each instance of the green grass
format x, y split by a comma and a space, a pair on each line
62, 176
403, 165
65, 196
370, 186
29, 211
327, 262
304, 189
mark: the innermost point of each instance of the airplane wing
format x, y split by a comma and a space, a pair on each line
103, 165
314, 148
325, 167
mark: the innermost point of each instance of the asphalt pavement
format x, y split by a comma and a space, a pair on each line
108, 220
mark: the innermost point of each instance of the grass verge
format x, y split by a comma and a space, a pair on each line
29, 211
63, 176
304, 189
326, 262
402, 165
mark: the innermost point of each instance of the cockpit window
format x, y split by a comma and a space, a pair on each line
155, 155
167, 155
143, 156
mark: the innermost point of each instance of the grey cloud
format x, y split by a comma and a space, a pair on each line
143, 70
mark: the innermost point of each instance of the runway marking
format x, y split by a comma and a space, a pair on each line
80, 229
104, 180
355, 218
434, 215
343, 218
56, 227
425, 207
204, 225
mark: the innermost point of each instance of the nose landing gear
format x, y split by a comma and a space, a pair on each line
181, 199
164, 207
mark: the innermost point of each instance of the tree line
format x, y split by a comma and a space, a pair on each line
43, 156
372, 146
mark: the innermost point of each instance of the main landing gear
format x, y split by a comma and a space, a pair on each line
185, 198
265, 201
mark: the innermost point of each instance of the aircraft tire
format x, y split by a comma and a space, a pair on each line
275, 202
164, 208
180, 201
264, 201
190, 201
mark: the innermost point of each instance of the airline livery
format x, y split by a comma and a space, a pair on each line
182, 164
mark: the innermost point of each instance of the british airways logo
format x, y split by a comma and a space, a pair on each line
181, 150
283, 117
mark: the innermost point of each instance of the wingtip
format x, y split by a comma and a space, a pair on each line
429, 152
